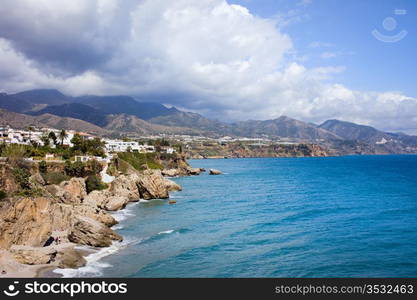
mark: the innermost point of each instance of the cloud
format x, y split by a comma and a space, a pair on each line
206, 56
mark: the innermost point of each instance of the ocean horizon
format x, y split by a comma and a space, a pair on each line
349, 216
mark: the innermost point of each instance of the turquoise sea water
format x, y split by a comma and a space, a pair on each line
347, 216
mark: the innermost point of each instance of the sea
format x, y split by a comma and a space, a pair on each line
349, 216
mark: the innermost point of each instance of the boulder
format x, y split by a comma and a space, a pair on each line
36, 181
87, 231
95, 213
152, 185
125, 186
194, 171
215, 172
172, 186
97, 198
63, 256
116, 203
34, 255
70, 258
171, 172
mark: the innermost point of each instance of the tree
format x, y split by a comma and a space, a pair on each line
30, 129
45, 140
62, 136
78, 142
52, 136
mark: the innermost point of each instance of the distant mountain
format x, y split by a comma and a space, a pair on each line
77, 111
371, 139
45, 96
352, 131
32, 100
132, 124
11, 103
284, 127
125, 105
191, 120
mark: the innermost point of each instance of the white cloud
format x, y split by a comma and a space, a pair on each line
205, 55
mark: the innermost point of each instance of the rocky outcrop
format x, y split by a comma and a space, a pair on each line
215, 172
34, 255
125, 186
63, 255
31, 221
70, 192
172, 186
26, 222
122, 190
7, 180
194, 171
171, 172
87, 231
152, 185
95, 213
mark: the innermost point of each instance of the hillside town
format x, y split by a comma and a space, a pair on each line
50, 137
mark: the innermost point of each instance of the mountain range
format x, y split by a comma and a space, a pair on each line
120, 115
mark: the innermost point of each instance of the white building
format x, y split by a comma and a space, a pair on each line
122, 146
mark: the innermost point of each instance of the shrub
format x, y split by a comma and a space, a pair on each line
94, 183
21, 176
55, 177
42, 167
3, 195
76, 169
94, 167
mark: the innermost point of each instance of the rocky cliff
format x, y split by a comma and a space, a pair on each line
67, 211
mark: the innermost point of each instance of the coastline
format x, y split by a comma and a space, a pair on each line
86, 223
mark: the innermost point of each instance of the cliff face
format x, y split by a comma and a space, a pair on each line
240, 150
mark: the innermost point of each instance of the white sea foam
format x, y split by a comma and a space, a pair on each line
125, 213
95, 266
166, 232
143, 201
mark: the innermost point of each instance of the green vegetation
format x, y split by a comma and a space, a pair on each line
21, 176
42, 167
76, 169
15, 152
55, 177
94, 183
93, 147
3, 195
80, 169
141, 161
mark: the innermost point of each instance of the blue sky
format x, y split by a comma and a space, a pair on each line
230, 60
344, 28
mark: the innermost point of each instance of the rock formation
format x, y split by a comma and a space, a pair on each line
87, 231
215, 172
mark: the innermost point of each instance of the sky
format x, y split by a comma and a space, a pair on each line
229, 60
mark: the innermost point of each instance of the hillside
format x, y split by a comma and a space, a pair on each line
22, 121
131, 124
76, 111
284, 127
124, 105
